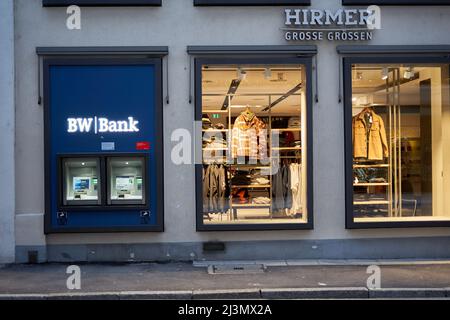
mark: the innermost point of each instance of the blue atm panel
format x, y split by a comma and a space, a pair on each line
103, 131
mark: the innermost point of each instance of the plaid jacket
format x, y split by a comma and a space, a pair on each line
249, 138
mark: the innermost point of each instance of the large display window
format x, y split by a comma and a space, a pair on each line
397, 135
255, 150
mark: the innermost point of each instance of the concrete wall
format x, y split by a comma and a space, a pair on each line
7, 121
178, 24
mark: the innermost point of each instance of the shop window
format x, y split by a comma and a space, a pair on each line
250, 2
398, 164
66, 3
255, 146
81, 181
126, 183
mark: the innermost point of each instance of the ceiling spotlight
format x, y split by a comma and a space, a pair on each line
409, 73
354, 99
267, 73
241, 74
384, 73
83, 164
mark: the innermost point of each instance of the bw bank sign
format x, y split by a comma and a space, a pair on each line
101, 125
331, 25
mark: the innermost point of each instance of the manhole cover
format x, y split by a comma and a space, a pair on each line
236, 269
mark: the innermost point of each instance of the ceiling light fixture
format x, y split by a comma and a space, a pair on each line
241, 74
267, 73
409, 73
384, 73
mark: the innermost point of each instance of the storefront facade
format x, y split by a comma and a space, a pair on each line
308, 134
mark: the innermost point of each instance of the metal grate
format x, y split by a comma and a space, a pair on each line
236, 269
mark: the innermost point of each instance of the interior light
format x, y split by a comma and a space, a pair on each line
384, 73
83, 163
267, 73
127, 163
359, 75
241, 74
354, 99
409, 73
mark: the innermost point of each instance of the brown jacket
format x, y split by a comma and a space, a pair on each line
378, 145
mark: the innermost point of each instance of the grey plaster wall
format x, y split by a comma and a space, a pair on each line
178, 24
7, 122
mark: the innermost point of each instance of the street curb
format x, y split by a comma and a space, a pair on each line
316, 293
236, 294
227, 294
155, 295
408, 293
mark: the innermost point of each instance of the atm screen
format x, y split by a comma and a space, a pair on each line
81, 184
124, 183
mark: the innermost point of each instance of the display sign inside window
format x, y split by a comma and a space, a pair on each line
331, 25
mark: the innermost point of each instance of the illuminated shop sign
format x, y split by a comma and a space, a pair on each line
331, 25
101, 125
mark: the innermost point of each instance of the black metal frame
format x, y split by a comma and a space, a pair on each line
101, 3
251, 2
348, 61
105, 187
397, 2
157, 145
307, 63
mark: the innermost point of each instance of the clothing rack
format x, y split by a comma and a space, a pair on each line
280, 154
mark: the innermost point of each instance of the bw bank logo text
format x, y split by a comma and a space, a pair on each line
101, 125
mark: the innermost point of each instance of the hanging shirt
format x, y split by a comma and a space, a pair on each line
296, 187
249, 138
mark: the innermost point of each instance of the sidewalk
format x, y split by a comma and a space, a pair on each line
271, 280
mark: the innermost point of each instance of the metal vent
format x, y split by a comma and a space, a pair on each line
236, 269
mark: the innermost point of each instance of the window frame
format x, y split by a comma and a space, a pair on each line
396, 2
307, 62
226, 3
348, 61
101, 3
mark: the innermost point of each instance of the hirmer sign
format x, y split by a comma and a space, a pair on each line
101, 125
337, 25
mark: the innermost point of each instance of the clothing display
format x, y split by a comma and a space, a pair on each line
369, 136
249, 137
261, 200
281, 189
241, 178
294, 122
252, 189
296, 187
215, 188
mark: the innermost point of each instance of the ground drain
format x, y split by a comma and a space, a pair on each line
236, 269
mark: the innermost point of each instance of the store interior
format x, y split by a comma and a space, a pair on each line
401, 162
254, 144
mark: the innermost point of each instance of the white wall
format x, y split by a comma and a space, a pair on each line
7, 246
178, 24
